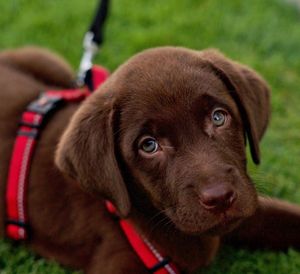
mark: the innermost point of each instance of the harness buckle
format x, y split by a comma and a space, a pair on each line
44, 104
39, 108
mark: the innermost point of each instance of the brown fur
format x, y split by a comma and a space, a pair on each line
184, 198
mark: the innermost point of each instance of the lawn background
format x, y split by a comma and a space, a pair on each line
264, 34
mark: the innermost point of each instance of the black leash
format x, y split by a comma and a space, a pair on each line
91, 43
97, 25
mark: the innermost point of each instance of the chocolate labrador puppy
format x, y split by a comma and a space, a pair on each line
164, 140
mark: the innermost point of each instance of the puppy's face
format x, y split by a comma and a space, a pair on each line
177, 134
184, 146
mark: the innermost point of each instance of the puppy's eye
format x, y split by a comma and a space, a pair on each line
218, 117
149, 145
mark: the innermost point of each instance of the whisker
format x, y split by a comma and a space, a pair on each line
156, 225
161, 221
161, 212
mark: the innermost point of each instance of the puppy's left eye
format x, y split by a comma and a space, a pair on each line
218, 117
148, 145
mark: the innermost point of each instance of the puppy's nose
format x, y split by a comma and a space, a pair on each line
217, 198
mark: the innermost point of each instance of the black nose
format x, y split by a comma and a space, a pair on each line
217, 198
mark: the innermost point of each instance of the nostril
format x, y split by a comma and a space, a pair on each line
229, 169
217, 198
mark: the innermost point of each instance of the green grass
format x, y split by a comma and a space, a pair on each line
264, 34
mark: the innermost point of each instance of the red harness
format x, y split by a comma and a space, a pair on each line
32, 121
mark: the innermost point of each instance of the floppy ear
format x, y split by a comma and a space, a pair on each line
250, 92
86, 151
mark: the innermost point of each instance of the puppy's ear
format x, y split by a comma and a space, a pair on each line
250, 92
86, 151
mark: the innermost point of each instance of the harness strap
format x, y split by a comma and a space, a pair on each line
32, 120
149, 255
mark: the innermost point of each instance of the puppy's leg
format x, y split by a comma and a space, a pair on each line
42, 64
115, 256
276, 224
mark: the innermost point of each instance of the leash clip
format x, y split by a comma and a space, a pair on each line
90, 50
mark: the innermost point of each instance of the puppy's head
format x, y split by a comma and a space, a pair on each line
167, 133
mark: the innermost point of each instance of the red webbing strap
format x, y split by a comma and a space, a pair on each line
30, 126
100, 74
18, 177
149, 255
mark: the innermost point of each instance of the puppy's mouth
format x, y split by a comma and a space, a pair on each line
207, 224
219, 228
225, 225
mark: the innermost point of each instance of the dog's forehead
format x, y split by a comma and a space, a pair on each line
176, 94
168, 86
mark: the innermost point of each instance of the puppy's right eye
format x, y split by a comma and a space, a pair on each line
148, 145
219, 117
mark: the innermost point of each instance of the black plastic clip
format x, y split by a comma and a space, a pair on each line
44, 104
